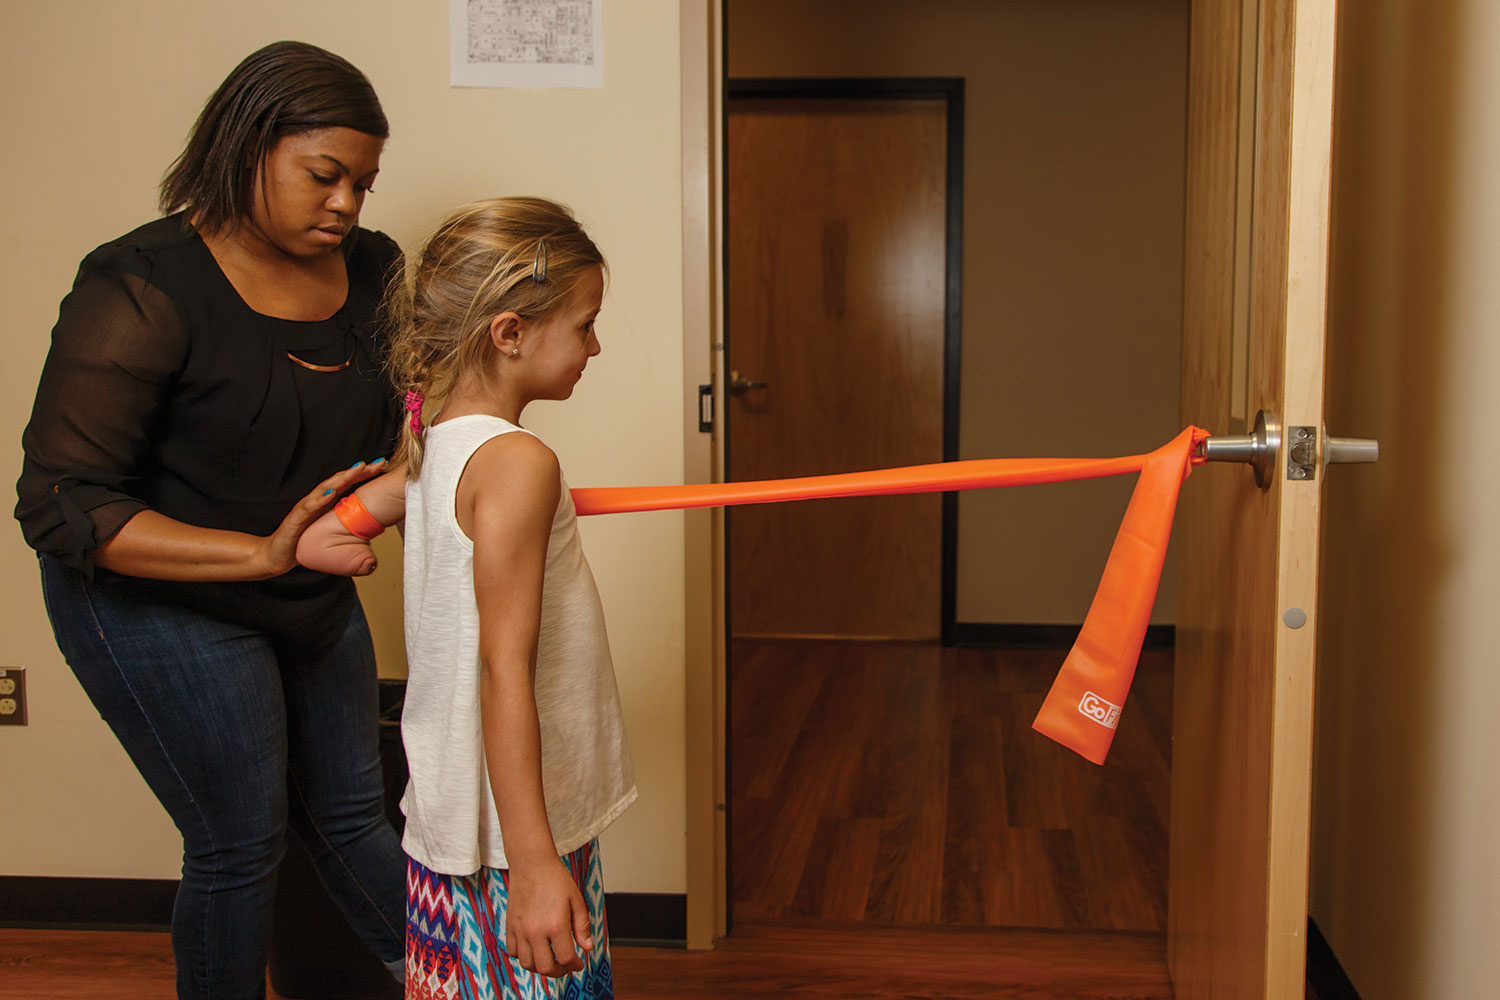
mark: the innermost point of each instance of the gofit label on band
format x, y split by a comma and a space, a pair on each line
1101, 710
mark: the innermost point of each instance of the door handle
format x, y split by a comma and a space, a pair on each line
1348, 450
1260, 448
739, 384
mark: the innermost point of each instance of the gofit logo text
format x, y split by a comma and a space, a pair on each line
1102, 711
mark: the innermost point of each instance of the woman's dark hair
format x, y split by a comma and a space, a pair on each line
280, 90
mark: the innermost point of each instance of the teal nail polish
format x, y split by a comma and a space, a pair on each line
326, 492
356, 465
377, 461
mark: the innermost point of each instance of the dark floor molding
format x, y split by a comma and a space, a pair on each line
635, 918
1324, 973
87, 903
647, 919
997, 635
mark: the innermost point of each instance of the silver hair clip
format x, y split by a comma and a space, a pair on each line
539, 265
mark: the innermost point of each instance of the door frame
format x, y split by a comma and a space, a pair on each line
950, 90
1257, 266
701, 50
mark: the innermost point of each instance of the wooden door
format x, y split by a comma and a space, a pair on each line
836, 236
1260, 108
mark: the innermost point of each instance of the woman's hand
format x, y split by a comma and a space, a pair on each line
278, 550
328, 545
157, 547
544, 915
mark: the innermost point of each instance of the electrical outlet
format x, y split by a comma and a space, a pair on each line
12, 696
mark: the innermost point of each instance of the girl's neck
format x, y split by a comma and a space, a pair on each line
471, 397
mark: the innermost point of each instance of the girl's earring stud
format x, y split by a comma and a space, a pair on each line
514, 351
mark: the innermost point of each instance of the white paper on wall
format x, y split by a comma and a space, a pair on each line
526, 43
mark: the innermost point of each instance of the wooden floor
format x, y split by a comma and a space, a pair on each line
812, 963
898, 831
901, 783
822, 962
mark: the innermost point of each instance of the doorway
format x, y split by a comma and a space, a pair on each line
843, 233
1080, 309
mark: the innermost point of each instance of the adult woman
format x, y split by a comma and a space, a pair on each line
209, 373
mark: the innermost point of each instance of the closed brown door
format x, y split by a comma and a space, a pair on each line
836, 256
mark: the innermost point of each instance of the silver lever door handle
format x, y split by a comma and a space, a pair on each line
1258, 449
1261, 447
1350, 450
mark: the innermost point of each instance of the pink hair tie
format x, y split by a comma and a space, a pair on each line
414, 402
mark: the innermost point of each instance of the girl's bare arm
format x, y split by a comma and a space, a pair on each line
329, 547
506, 501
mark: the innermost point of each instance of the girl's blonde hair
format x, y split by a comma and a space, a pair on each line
521, 255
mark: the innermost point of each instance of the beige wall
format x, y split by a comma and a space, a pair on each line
1405, 871
1072, 304
97, 99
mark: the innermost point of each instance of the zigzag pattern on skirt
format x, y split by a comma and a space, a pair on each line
455, 937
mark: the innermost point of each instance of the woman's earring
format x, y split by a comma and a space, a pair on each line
515, 351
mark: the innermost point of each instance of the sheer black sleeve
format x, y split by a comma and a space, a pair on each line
118, 342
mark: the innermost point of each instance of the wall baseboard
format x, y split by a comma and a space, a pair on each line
999, 635
635, 918
87, 903
647, 919
1324, 973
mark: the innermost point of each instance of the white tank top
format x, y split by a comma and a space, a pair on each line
587, 777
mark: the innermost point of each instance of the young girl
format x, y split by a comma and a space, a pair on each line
512, 719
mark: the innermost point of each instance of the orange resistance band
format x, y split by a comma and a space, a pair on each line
354, 515
1083, 708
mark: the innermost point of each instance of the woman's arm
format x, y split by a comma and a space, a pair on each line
507, 498
328, 546
155, 546
117, 348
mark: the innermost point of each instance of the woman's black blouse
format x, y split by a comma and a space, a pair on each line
164, 390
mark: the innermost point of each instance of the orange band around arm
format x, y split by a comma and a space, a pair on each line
354, 515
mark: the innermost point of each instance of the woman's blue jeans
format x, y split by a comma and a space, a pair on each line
240, 739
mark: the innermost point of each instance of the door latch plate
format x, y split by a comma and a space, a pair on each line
1302, 453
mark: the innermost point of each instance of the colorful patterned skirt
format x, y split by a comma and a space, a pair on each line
455, 937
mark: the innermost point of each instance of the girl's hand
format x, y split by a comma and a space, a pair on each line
278, 550
337, 553
544, 917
